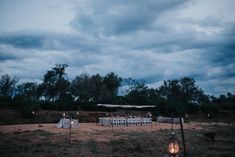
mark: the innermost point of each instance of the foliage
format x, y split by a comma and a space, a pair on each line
56, 92
28, 90
25, 105
95, 89
55, 85
7, 85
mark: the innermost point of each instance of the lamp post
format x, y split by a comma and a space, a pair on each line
77, 113
70, 129
182, 135
173, 146
33, 113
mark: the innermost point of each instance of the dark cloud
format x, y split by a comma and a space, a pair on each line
147, 40
118, 17
22, 40
4, 56
47, 41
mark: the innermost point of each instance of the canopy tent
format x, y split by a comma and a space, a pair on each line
126, 106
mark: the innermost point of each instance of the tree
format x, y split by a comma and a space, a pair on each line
7, 85
224, 101
138, 94
111, 84
130, 84
96, 89
183, 94
28, 90
80, 87
55, 86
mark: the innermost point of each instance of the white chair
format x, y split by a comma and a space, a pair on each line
123, 122
100, 121
119, 121
132, 121
129, 121
114, 122
144, 121
137, 121
149, 121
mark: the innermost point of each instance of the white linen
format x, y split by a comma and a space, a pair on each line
65, 123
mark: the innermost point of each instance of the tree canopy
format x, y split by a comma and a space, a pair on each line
57, 92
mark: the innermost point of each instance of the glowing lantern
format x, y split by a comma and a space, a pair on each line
173, 146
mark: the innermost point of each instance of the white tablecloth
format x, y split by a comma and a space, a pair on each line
65, 123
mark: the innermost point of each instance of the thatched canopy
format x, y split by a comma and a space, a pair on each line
126, 106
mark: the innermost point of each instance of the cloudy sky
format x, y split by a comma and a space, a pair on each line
151, 40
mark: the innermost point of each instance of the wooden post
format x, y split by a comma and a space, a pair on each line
70, 131
182, 135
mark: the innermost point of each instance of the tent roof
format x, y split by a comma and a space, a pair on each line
126, 106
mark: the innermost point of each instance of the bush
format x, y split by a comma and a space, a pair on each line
209, 108
4, 101
28, 108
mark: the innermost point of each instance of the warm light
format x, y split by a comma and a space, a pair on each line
77, 113
71, 122
64, 114
173, 147
33, 112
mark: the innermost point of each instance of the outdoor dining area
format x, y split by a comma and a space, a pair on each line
125, 119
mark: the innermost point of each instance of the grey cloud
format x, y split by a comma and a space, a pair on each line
144, 40
118, 17
22, 40
221, 51
48, 41
8, 53
4, 56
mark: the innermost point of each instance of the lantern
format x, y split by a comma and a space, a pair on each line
173, 146
33, 112
77, 113
63, 114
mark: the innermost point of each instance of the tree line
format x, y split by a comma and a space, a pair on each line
56, 92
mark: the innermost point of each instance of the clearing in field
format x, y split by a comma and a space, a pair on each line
93, 140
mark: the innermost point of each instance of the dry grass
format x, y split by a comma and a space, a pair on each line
116, 143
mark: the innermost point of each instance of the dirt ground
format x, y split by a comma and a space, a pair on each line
92, 127
85, 130
91, 140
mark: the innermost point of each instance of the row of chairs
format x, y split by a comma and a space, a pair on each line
130, 121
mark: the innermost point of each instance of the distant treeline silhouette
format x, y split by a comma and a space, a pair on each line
56, 92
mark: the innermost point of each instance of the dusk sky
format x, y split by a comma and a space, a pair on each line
151, 40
